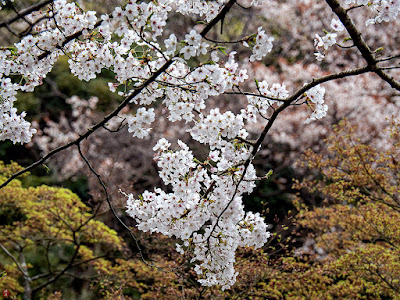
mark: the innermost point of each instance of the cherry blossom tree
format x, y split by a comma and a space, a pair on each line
183, 74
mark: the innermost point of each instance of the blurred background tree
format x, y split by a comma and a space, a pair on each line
50, 240
352, 250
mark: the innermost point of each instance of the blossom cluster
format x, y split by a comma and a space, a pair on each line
329, 39
263, 45
204, 211
135, 123
267, 99
212, 129
385, 10
207, 8
195, 46
12, 126
315, 99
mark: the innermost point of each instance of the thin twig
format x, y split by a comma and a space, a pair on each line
389, 58
26, 275
68, 266
117, 217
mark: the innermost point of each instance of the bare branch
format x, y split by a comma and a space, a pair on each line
62, 272
389, 58
26, 275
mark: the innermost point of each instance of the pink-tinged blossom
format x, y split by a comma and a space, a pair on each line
316, 97
337, 25
171, 44
263, 45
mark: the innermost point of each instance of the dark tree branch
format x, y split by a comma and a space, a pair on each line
359, 42
114, 113
108, 199
286, 104
22, 14
72, 266
20, 268
389, 58
62, 272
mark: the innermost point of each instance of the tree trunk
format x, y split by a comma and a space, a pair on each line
27, 280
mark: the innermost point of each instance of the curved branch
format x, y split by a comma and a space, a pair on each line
25, 12
103, 185
26, 275
62, 272
359, 42
273, 117
114, 113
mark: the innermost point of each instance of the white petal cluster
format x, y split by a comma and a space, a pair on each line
315, 99
263, 45
386, 11
12, 126
207, 8
216, 126
323, 43
195, 46
359, 2
203, 211
268, 97
202, 82
142, 117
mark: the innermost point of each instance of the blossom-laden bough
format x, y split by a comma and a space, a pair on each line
204, 208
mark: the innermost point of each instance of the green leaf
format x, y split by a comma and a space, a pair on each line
46, 167
222, 49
